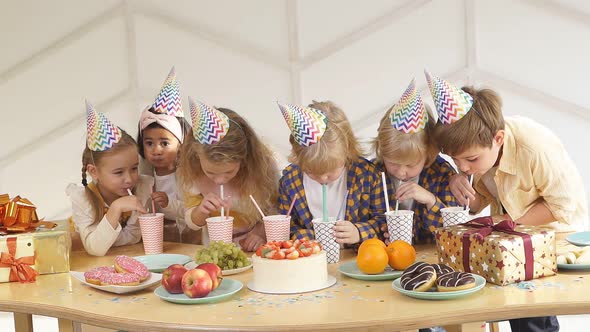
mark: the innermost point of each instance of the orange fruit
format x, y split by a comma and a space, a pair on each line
372, 240
372, 259
400, 254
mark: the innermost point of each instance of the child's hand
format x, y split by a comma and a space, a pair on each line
411, 190
211, 202
461, 189
127, 203
385, 232
346, 232
251, 242
161, 198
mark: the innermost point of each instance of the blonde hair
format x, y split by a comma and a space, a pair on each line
477, 128
90, 157
403, 148
258, 171
337, 146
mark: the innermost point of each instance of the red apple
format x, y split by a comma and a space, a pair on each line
196, 283
214, 272
172, 278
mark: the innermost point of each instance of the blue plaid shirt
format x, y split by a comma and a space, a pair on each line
365, 204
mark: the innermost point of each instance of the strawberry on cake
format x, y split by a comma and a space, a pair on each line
289, 267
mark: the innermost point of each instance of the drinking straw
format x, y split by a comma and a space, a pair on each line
221, 193
256, 205
471, 184
153, 203
325, 202
385, 191
397, 200
129, 192
292, 204
229, 198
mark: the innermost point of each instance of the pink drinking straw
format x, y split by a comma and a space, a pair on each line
292, 204
256, 205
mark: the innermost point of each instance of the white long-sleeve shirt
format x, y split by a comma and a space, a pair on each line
98, 238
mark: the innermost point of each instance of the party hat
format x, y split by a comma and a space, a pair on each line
408, 115
102, 133
168, 100
209, 124
307, 124
451, 103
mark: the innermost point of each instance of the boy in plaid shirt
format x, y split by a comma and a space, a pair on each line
418, 176
326, 152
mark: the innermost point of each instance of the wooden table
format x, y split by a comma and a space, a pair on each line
350, 305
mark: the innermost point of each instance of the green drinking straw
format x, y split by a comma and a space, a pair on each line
325, 202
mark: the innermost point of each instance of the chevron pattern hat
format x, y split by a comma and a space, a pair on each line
168, 100
209, 124
102, 134
307, 124
409, 115
451, 103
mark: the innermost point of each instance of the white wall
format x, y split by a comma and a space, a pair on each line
247, 54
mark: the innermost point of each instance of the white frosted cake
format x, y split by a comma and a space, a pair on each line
282, 275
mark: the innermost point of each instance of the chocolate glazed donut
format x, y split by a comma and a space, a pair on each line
418, 277
454, 281
441, 269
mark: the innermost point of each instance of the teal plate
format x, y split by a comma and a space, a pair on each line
350, 269
159, 262
433, 295
579, 239
227, 288
573, 266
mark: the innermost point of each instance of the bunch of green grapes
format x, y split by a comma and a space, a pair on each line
227, 255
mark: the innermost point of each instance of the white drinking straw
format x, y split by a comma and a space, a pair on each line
471, 184
385, 191
397, 200
221, 193
129, 192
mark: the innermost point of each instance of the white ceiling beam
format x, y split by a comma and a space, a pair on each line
220, 39
131, 43
555, 103
362, 32
470, 38
294, 51
47, 137
59, 44
556, 8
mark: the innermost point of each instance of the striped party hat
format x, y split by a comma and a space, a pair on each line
209, 124
307, 124
102, 133
168, 100
451, 103
408, 115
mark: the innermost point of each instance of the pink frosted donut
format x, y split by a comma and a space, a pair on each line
130, 265
119, 279
92, 276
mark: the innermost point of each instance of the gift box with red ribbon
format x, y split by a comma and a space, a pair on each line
17, 259
502, 253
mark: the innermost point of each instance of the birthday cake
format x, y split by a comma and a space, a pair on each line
289, 267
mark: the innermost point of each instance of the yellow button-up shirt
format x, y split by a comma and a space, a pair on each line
535, 167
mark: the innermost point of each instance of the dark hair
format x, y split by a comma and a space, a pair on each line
186, 130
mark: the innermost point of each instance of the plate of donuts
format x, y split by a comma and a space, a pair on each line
134, 286
350, 269
437, 282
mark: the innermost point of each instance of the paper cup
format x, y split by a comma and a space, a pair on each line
400, 225
324, 234
454, 215
220, 228
152, 232
277, 227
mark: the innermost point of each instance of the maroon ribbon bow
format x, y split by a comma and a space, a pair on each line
484, 226
20, 268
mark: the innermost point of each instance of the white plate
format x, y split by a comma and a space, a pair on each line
191, 265
153, 280
330, 282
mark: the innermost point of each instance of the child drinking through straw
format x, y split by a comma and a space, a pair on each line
520, 168
162, 129
103, 212
326, 152
227, 152
418, 178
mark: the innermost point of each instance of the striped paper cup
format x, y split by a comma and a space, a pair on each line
220, 228
152, 232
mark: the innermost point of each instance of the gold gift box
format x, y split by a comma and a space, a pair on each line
52, 248
17, 212
503, 253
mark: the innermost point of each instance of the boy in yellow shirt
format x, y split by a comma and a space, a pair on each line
519, 167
